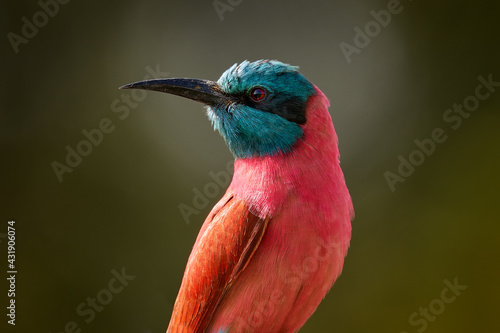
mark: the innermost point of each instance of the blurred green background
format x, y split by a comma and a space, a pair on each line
119, 207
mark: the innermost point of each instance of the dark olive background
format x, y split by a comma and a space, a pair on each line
119, 208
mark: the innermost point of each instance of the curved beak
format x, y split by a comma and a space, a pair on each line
204, 91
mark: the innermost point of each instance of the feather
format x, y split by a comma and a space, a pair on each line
226, 243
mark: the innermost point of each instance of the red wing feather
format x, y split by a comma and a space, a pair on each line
226, 243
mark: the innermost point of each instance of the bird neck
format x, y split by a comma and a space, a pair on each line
310, 171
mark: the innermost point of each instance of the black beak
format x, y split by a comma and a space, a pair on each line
204, 91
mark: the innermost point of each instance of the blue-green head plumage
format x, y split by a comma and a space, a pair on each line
258, 107
266, 108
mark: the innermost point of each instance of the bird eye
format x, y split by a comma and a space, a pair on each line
258, 94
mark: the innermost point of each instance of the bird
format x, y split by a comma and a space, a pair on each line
273, 246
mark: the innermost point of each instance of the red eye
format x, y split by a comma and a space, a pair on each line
258, 94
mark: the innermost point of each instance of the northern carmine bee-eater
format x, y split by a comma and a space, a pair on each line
275, 243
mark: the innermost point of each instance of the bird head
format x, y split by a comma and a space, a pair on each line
258, 107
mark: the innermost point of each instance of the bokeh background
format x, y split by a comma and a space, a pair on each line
119, 207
